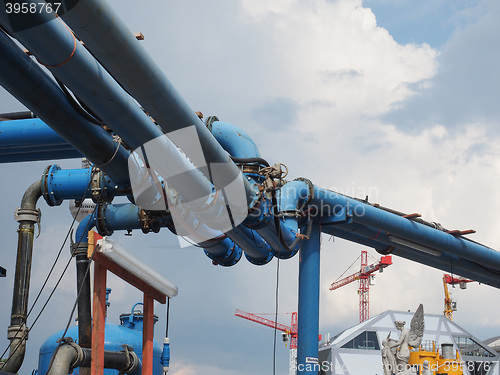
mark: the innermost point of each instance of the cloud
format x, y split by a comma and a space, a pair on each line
466, 87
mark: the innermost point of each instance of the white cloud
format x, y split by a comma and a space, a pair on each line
333, 52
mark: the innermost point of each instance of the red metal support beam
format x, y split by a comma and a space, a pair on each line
147, 335
99, 320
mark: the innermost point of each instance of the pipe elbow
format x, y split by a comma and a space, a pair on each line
66, 357
17, 334
233, 139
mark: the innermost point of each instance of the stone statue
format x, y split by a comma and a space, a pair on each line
407, 339
389, 355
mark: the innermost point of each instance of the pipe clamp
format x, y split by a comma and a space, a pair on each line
17, 332
24, 214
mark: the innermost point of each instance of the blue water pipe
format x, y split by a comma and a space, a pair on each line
117, 49
31, 139
308, 309
86, 225
234, 140
447, 262
257, 250
31, 86
335, 206
52, 42
61, 184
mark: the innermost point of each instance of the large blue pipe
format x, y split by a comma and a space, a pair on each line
308, 310
114, 45
32, 87
57, 48
32, 139
331, 204
447, 262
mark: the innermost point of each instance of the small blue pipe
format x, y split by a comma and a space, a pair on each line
86, 225
31, 139
257, 251
127, 216
51, 154
308, 312
62, 184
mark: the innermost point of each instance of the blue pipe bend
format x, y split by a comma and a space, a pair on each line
234, 140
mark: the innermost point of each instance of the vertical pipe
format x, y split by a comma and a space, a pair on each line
83, 286
308, 319
17, 332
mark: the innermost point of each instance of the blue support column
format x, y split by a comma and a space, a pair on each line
308, 319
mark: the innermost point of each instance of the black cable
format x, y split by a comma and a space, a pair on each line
168, 316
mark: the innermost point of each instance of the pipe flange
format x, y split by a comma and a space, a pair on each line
100, 192
25, 214
47, 191
100, 221
209, 121
144, 222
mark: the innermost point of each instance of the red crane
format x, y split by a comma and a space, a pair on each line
290, 330
363, 275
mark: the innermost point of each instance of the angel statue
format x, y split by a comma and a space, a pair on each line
407, 339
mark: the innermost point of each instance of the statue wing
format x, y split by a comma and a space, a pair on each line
417, 327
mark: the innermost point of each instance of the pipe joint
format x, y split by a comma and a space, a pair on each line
18, 331
133, 361
80, 357
100, 192
100, 221
26, 214
79, 248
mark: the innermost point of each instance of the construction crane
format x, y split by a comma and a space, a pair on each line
450, 305
289, 333
364, 275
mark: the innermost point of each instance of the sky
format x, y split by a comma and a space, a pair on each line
392, 99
